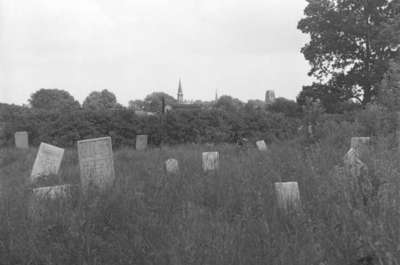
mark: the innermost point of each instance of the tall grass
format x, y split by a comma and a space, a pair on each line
225, 217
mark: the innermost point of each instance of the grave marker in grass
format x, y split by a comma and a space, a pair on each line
288, 196
261, 145
141, 142
361, 145
210, 161
21, 140
172, 166
96, 163
47, 161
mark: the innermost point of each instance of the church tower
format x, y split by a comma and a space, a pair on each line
180, 93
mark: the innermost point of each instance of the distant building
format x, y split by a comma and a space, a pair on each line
269, 97
180, 93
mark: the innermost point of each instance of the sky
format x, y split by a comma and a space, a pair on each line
132, 48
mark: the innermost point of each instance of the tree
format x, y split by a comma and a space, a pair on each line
349, 46
53, 100
229, 104
100, 101
389, 92
153, 101
288, 107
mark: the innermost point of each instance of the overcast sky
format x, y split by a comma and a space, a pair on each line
135, 47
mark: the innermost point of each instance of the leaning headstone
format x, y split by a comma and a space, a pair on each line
269, 97
48, 161
21, 140
96, 163
361, 145
287, 195
261, 145
210, 161
172, 166
141, 142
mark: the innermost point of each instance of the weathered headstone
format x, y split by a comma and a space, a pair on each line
48, 161
21, 140
210, 161
172, 166
288, 195
47, 202
269, 97
261, 145
96, 163
141, 142
353, 165
361, 145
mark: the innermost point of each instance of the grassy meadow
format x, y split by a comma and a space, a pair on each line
224, 217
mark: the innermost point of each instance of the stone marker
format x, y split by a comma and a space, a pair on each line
141, 142
210, 161
96, 163
53, 192
48, 161
353, 165
360, 144
21, 140
288, 195
261, 145
269, 97
49, 201
172, 166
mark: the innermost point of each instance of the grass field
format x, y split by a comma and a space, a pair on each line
224, 217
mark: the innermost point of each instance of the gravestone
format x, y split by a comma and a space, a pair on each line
353, 165
261, 145
48, 202
21, 140
210, 161
269, 97
52, 192
96, 163
360, 145
288, 195
48, 161
172, 166
141, 142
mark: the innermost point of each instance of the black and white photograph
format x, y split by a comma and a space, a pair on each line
200, 132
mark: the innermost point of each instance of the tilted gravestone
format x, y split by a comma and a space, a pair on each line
47, 161
52, 192
21, 140
210, 161
96, 163
141, 142
172, 166
261, 145
288, 195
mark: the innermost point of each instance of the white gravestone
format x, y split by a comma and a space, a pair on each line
360, 145
288, 195
261, 145
172, 166
96, 162
141, 142
210, 161
48, 161
21, 140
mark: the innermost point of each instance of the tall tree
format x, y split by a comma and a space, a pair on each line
349, 45
53, 100
153, 101
100, 100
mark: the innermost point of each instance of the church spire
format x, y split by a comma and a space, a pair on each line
180, 92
